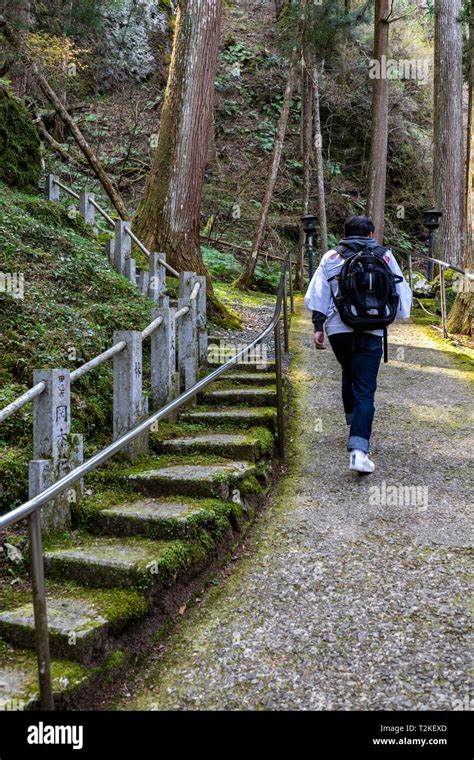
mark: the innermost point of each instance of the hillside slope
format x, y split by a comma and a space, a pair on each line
72, 302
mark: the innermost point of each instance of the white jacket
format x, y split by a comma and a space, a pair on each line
319, 296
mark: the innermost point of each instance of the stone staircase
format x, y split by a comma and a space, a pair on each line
143, 537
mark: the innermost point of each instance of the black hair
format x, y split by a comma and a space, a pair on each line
360, 226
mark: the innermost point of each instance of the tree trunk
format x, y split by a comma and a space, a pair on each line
279, 6
469, 249
168, 218
306, 152
246, 276
461, 317
82, 143
57, 147
448, 174
379, 133
61, 89
318, 158
18, 75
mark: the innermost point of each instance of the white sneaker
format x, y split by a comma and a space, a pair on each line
360, 462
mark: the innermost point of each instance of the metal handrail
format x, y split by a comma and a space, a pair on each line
67, 189
101, 211
97, 360
113, 448
31, 507
444, 264
109, 219
25, 398
37, 389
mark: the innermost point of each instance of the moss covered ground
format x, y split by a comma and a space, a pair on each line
73, 301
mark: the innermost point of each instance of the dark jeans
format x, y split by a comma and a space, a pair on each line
359, 355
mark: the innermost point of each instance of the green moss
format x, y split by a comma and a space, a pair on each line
73, 302
265, 437
222, 315
212, 515
462, 355
178, 556
113, 662
20, 157
231, 295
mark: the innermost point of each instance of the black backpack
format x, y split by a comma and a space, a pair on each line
366, 297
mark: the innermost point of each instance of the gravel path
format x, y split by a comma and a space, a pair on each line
346, 597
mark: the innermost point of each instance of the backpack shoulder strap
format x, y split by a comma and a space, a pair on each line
345, 251
381, 250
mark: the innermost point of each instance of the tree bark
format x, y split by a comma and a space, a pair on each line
319, 163
448, 174
57, 147
461, 317
246, 276
168, 218
307, 154
469, 249
279, 6
18, 76
379, 132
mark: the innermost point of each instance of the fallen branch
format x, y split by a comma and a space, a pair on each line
81, 141
240, 248
54, 145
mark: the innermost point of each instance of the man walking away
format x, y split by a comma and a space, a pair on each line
358, 290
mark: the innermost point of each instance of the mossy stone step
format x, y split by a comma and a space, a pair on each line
78, 624
123, 563
235, 445
215, 480
238, 395
19, 678
238, 417
247, 378
160, 518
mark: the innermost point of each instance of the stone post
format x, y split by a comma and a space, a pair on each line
187, 343
144, 282
186, 284
122, 245
157, 285
55, 450
129, 406
51, 188
202, 322
86, 208
131, 270
109, 250
164, 378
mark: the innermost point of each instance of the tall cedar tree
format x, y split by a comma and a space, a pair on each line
448, 174
379, 131
168, 218
461, 318
245, 278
